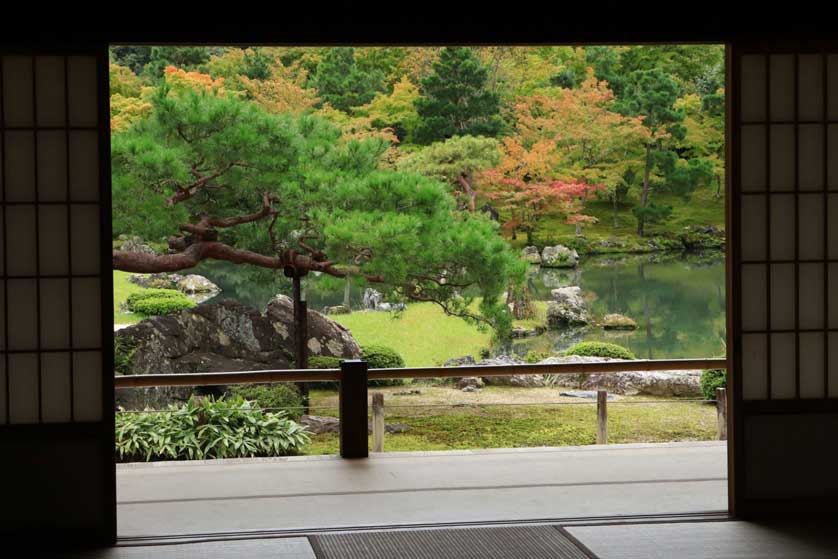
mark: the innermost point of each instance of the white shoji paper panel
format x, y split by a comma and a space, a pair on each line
783, 366
87, 385
52, 166
20, 227
52, 225
810, 156
753, 227
85, 238
810, 89
811, 365
810, 227
832, 226
17, 91
754, 152
49, 83
753, 88
781, 153
55, 387
782, 296
832, 85
754, 297
20, 165
84, 166
754, 365
782, 82
832, 157
87, 316
811, 296
23, 388
23, 314
782, 227
81, 82
55, 313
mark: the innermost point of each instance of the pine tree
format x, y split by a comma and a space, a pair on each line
455, 101
342, 84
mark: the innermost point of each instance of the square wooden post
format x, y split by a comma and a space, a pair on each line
353, 409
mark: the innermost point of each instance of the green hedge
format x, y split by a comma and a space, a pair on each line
204, 429
377, 356
383, 357
273, 396
156, 302
600, 349
712, 379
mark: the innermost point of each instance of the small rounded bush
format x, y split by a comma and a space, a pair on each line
156, 302
600, 349
381, 357
536, 356
324, 362
275, 397
711, 379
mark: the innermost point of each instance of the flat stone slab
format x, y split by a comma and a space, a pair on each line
584, 394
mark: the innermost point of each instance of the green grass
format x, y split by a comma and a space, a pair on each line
423, 334
122, 288
481, 425
702, 209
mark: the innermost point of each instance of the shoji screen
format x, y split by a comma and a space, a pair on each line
785, 271
54, 416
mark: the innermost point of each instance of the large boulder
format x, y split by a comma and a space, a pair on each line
530, 254
134, 244
559, 256
193, 283
372, 299
326, 337
568, 308
217, 337
630, 383
520, 381
616, 321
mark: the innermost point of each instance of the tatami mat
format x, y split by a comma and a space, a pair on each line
508, 542
711, 540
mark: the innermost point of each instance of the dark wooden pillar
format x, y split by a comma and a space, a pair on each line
353, 409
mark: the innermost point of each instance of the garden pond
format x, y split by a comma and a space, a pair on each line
677, 300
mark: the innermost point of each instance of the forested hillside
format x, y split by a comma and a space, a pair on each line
589, 146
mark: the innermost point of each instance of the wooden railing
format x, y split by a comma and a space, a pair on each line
353, 376
316, 375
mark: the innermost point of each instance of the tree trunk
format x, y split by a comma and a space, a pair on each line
347, 288
300, 337
469, 191
644, 196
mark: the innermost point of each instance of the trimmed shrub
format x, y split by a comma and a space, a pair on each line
382, 357
711, 379
157, 302
324, 362
206, 428
600, 349
536, 356
273, 396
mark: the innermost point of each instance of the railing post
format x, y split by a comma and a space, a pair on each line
601, 417
353, 409
721, 413
378, 422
